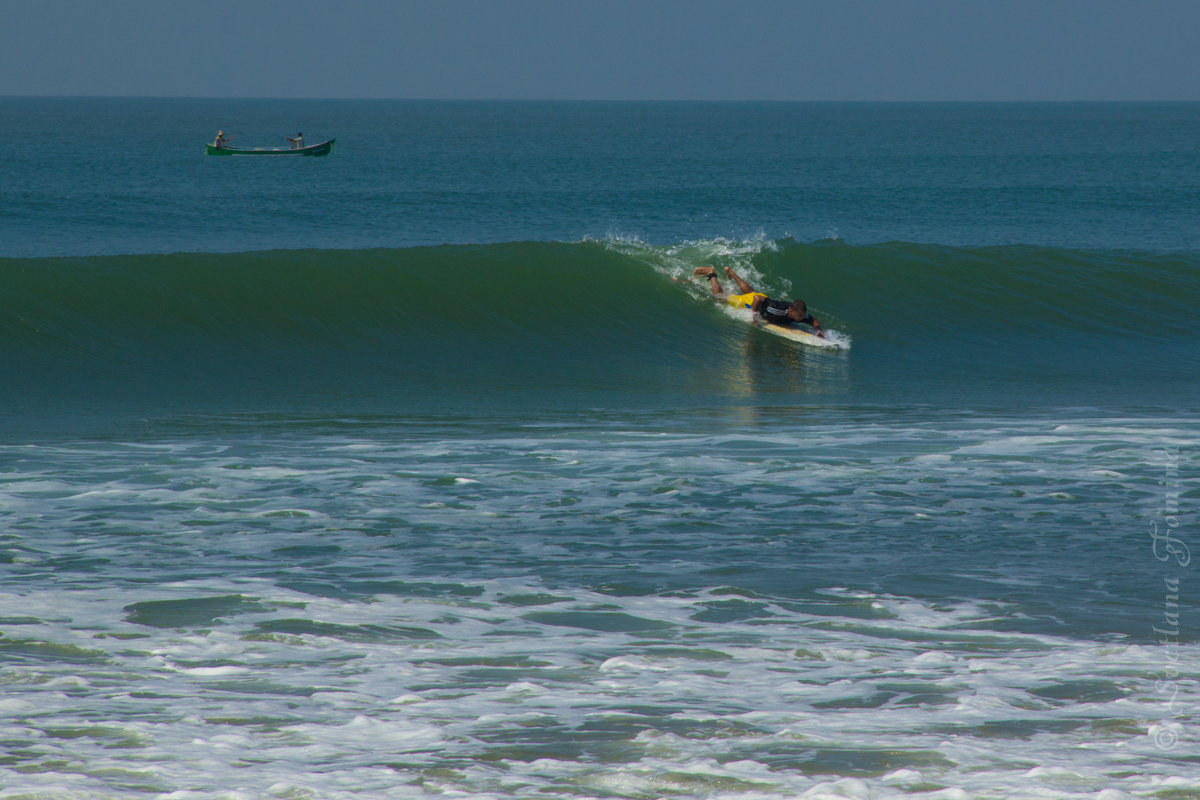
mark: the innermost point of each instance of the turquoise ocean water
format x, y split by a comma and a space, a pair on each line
425, 469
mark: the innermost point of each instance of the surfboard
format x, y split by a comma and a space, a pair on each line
800, 335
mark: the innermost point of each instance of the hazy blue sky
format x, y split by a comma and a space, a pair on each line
605, 49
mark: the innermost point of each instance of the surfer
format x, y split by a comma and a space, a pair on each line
777, 312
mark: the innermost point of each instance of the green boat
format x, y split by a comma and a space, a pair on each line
322, 149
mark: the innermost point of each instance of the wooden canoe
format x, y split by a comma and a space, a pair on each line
322, 149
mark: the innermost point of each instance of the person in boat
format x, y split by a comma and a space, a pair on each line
296, 143
220, 140
777, 312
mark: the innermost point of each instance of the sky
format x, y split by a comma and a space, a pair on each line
822, 50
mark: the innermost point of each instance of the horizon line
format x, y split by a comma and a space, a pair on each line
597, 100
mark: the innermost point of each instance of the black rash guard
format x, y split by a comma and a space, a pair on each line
775, 312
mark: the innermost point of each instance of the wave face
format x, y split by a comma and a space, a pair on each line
599, 322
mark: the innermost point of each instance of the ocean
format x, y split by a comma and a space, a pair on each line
428, 468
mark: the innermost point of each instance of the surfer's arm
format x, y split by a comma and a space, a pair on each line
755, 304
816, 325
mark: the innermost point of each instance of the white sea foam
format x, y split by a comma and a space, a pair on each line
732, 669
677, 610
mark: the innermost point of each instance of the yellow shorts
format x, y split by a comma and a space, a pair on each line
744, 299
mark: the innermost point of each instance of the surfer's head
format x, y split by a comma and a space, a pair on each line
797, 311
